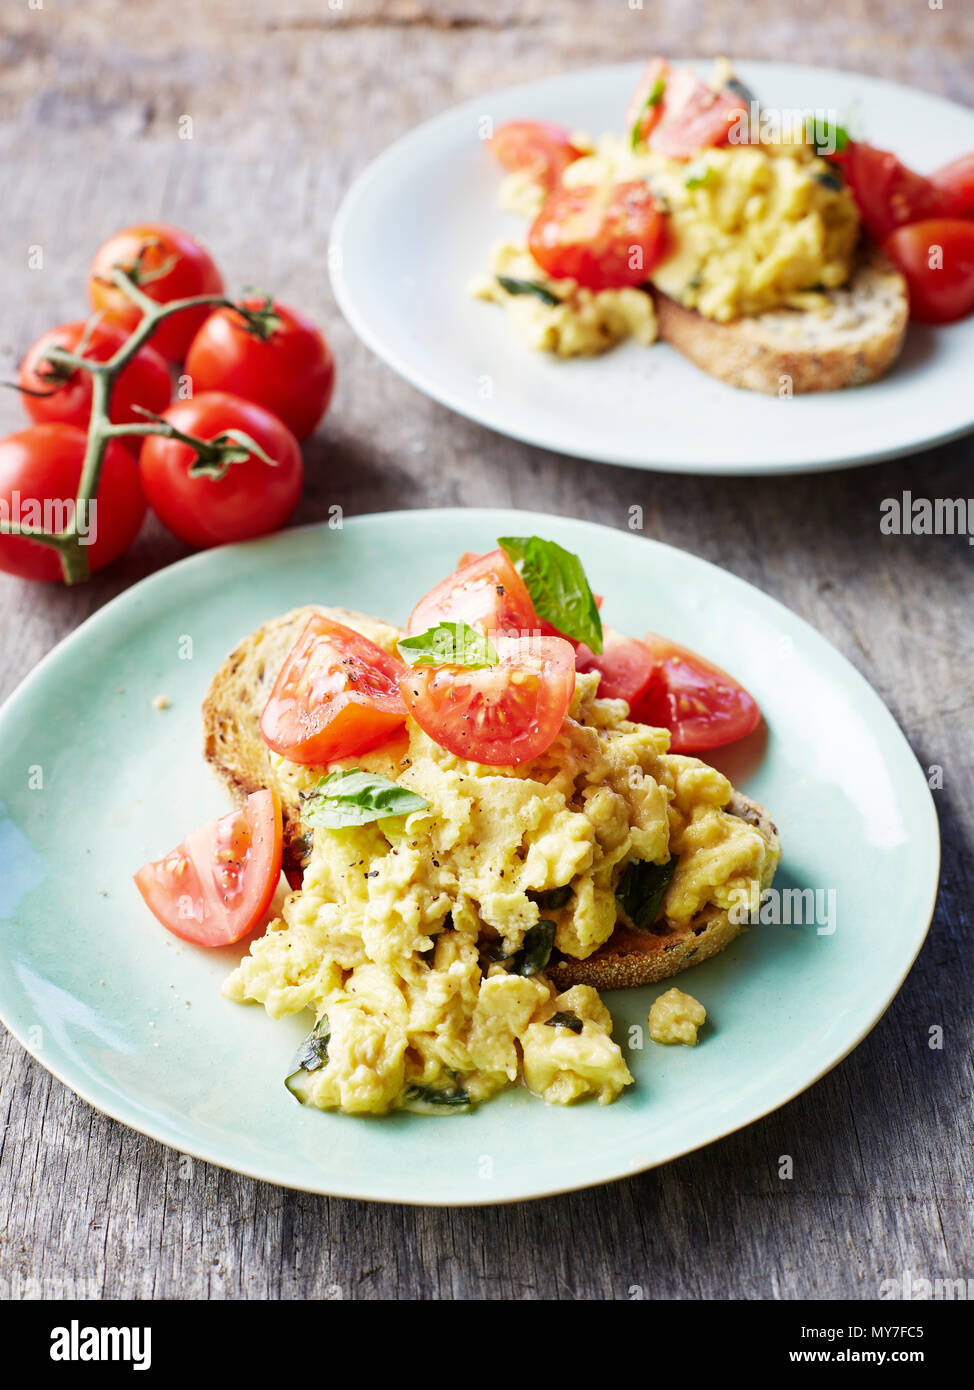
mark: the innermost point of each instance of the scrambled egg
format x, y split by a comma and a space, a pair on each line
750, 228
580, 323
409, 939
676, 1017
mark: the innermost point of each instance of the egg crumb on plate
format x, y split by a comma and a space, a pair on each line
676, 1017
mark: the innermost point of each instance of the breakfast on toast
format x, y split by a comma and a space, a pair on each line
484, 819
778, 255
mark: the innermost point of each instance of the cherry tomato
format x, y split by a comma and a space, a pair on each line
144, 381
625, 664
487, 593
642, 115
497, 715
216, 886
337, 695
694, 116
887, 193
701, 705
541, 150
40, 469
185, 270
937, 258
250, 499
604, 238
292, 372
956, 180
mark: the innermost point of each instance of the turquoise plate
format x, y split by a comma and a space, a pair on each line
94, 780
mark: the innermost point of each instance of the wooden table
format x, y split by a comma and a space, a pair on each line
289, 99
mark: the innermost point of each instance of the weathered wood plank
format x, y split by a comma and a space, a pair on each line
288, 101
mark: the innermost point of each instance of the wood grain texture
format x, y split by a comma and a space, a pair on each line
289, 99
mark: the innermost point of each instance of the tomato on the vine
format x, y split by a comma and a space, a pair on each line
52, 393
250, 498
167, 264
291, 372
40, 469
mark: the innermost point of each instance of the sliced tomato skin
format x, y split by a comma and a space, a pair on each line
937, 294
487, 593
694, 116
701, 705
337, 695
498, 716
538, 148
626, 666
216, 886
602, 238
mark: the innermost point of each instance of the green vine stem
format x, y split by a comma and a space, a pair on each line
211, 453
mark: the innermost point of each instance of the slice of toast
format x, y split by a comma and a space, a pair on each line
235, 749
796, 351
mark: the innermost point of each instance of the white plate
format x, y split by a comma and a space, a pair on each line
420, 222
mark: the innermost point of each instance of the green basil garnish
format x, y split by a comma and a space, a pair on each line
642, 888
565, 1019
830, 178
534, 955
432, 1095
312, 1054
559, 590
701, 176
654, 99
551, 899
448, 644
827, 137
510, 285
356, 798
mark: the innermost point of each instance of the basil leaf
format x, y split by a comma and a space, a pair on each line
448, 644
510, 285
551, 899
534, 955
654, 99
700, 176
556, 582
431, 1095
356, 798
312, 1054
565, 1019
830, 178
642, 888
827, 137
740, 89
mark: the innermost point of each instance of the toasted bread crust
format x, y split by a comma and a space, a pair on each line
234, 748
790, 351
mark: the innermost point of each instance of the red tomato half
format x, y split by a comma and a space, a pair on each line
144, 381
499, 715
216, 886
337, 695
694, 116
937, 258
291, 373
537, 148
603, 237
250, 499
40, 469
701, 705
487, 593
887, 193
642, 115
186, 270
625, 664
956, 180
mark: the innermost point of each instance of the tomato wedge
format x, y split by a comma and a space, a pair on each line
694, 116
487, 592
603, 237
887, 193
216, 886
337, 695
537, 148
701, 705
626, 665
497, 715
937, 258
956, 180
645, 109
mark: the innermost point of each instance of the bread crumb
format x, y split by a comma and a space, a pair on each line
675, 1017
161, 702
